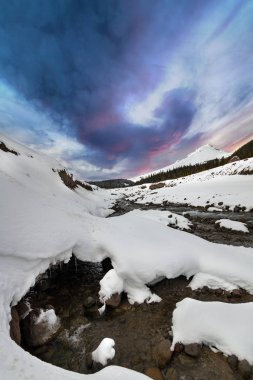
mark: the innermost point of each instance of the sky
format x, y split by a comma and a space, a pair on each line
117, 88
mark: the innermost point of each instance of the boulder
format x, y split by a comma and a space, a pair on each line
40, 326
244, 369
15, 327
232, 361
236, 293
179, 347
154, 373
162, 353
114, 300
192, 349
23, 309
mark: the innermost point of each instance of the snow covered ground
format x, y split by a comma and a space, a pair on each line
43, 221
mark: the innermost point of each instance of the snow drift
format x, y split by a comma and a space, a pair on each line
226, 327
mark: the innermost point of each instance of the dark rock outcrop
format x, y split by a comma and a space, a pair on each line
15, 333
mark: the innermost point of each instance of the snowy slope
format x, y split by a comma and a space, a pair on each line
224, 184
203, 154
43, 221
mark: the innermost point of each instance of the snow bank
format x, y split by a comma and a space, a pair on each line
227, 327
232, 225
144, 249
104, 352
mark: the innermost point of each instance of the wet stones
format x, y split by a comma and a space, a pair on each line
162, 353
77, 322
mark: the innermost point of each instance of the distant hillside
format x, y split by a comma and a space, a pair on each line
245, 151
183, 171
203, 154
113, 183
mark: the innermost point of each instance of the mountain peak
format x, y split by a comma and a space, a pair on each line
202, 154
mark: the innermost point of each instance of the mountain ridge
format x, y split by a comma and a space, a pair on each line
202, 154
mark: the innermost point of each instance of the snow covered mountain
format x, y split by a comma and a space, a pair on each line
203, 154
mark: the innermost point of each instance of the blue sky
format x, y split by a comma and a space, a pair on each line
118, 87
